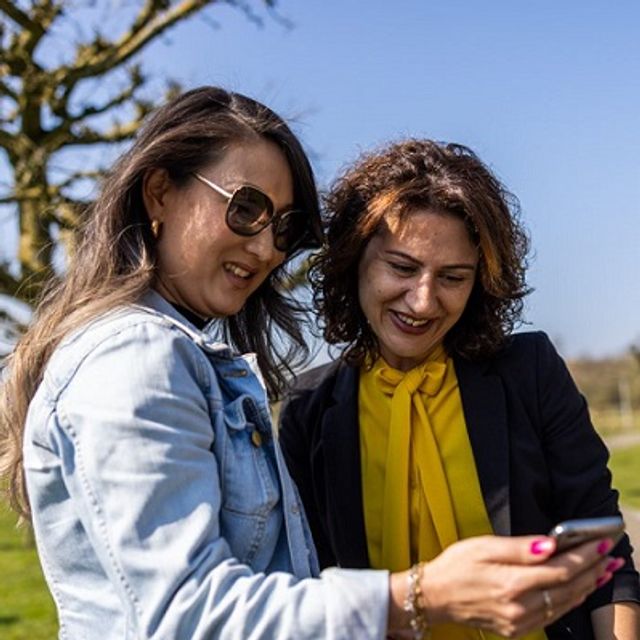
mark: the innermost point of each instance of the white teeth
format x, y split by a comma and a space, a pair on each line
237, 271
411, 321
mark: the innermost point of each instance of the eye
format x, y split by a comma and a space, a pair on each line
454, 279
244, 213
402, 268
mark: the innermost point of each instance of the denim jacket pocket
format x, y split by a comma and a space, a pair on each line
249, 481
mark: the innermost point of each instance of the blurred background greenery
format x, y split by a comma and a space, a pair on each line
612, 387
26, 608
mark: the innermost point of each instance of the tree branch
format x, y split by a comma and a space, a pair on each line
65, 212
119, 133
247, 9
8, 284
12, 325
298, 277
56, 189
58, 136
7, 141
6, 90
147, 13
137, 80
19, 17
34, 26
96, 59
64, 136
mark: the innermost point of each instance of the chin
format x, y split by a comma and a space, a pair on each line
231, 311
231, 308
223, 313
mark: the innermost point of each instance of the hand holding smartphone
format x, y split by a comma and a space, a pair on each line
574, 532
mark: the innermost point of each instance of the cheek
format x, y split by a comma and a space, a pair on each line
377, 288
182, 249
169, 255
369, 293
278, 260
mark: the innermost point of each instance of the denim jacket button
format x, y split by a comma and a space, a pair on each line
256, 438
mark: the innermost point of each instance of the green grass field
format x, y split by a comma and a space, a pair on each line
27, 611
624, 466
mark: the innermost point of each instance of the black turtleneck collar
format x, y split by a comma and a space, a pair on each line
193, 318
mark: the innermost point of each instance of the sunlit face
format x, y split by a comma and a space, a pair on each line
202, 264
414, 281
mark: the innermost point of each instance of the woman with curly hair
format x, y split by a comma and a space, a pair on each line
438, 423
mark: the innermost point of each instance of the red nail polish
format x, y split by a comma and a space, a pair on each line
541, 546
602, 580
605, 546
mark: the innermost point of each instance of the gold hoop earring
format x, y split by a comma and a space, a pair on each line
156, 226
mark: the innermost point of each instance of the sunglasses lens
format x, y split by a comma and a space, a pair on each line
289, 229
249, 211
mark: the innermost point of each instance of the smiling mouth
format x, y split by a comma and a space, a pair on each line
409, 321
237, 271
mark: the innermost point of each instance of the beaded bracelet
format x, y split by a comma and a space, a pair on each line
412, 605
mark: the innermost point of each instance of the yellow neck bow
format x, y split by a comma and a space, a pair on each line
410, 433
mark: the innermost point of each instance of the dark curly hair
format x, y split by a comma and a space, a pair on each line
395, 181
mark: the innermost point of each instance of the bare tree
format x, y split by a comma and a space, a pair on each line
71, 80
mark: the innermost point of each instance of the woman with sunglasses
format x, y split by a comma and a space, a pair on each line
139, 441
437, 424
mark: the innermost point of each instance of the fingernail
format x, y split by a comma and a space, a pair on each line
541, 546
614, 565
602, 580
605, 546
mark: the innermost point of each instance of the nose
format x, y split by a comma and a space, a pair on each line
261, 245
422, 297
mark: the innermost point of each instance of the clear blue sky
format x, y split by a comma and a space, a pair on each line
547, 92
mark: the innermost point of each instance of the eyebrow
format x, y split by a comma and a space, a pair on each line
228, 192
410, 258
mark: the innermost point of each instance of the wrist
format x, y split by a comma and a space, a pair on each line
408, 607
398, 618
414, 603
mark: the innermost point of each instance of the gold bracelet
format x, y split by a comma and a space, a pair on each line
412, 605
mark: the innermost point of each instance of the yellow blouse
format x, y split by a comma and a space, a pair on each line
420, 485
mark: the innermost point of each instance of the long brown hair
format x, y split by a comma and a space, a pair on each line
114, 263
395, 181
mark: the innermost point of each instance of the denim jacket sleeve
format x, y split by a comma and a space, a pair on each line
134, 434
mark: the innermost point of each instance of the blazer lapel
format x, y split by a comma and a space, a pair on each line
341, 443
485, 412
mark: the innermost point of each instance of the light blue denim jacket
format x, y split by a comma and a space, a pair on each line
161, 504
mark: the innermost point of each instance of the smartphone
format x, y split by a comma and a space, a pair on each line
574, 532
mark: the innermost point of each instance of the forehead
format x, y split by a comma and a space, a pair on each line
258, 162
425, 233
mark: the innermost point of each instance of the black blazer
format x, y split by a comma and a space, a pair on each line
538, 457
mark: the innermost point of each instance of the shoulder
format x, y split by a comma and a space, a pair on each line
324, 381
311, 379
315, 389
129, 341
526, 360
527, 349
530, 368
